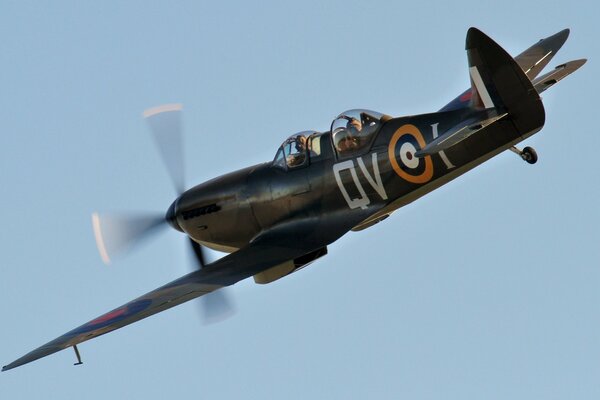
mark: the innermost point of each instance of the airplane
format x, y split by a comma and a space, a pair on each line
277, 217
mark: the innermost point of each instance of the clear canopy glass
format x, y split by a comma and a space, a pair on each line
353, 130
293, 151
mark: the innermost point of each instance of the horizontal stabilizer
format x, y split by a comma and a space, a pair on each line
456, 135
534, 59
549, 79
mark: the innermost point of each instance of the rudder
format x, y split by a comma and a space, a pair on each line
497, 81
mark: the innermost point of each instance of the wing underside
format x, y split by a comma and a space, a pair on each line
224, 272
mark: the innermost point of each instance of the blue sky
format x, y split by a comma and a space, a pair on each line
486, 288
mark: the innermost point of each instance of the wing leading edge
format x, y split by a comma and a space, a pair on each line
224, 272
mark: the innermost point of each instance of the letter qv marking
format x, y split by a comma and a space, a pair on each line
374, 180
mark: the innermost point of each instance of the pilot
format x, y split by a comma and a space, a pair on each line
354, 126
350, 136
297, 158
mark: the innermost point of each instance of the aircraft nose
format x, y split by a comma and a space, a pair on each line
171, 216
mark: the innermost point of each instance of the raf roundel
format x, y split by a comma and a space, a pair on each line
116, 315
406, 141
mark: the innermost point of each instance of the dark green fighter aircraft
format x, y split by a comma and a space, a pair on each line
277, 217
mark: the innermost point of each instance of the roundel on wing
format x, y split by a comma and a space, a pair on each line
113, 316
406, 141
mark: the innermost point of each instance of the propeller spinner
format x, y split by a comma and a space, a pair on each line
117, 234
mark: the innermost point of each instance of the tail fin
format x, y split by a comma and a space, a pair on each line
497, 81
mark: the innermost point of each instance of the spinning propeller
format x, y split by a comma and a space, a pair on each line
117, 234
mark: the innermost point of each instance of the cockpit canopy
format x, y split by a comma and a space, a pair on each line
293, 151
353, 130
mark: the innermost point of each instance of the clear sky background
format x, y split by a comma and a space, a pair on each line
488, 288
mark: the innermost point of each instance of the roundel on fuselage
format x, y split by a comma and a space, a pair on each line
406, 141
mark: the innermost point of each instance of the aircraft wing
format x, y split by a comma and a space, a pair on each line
226, 271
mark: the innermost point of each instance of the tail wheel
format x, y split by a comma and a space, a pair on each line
528, 154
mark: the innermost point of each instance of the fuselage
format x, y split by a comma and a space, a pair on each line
227, 212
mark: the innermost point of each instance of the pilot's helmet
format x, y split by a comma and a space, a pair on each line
354, 124
300, 143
